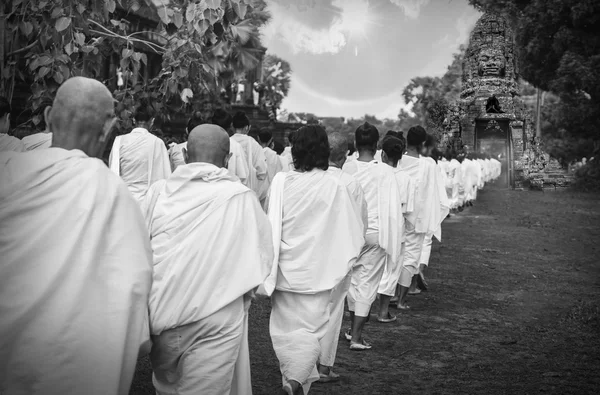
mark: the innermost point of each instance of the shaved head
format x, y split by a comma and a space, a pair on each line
81, 116
338, 143
209, 144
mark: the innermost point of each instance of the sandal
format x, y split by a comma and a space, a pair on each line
329, 378
348, 334
415, 291
362, 346
389, 318
403, 307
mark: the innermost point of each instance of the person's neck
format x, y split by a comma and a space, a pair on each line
240, 131
338, 164
412, 152
366, 156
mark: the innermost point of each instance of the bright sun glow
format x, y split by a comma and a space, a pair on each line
355, 17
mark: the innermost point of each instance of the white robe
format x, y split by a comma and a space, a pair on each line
201, 260
255, 160
140, 159
37, 141
316, 232
274, 166
75, 276
11, 143
383, 203
237, 161
317, 236
356, 192
431, 201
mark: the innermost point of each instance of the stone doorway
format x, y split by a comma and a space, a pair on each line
492, 137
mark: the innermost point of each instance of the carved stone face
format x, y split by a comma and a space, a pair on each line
491, 63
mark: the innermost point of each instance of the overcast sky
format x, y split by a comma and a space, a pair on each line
354, 57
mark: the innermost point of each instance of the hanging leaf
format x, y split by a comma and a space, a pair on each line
80, 8
111, 5
213, 4
62, 23
134, 5
190, 12
178, 19
198, 47
126, 53
42, 4
56, 12
80, 38
87, 49
186, 94
58, 77
114, 22
43, 72
240, 9
26, 28
144, 58
69, 48
162, 13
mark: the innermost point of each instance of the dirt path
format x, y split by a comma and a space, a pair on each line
513, 307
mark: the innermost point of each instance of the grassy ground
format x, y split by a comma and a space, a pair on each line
513, 308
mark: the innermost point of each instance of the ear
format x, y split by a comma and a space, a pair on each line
226, 161
184, 151
108, 125
47, 117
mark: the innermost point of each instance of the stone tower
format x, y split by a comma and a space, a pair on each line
490, 110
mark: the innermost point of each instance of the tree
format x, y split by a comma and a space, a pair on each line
57, 39
431, 96
559, 51
276, 83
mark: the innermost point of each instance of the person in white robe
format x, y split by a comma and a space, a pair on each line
338, 151
431, 207
274, 166
205, 270
237, 161
76, 259
393, 149
255, 157
37, 141
139, 157
317, 235
286, 156
7, 142
383, 236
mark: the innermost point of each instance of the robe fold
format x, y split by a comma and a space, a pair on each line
37, 141
356, 192
383, 203
11, 143
431, 202
140, 159
201, 260
75, 276
274, 166
255, 160
317, 235
319, 232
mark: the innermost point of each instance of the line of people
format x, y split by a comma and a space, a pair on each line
163, 252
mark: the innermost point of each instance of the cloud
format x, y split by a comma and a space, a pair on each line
348, 17
411, 8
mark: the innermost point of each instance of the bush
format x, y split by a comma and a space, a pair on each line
587, 177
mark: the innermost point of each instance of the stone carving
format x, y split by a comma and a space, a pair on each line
491, 63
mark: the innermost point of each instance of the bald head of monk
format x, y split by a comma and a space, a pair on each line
209, 144
338, 145
81, 116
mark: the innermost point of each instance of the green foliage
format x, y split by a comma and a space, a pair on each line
58, 39
558, 49
431, 96
276, 83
